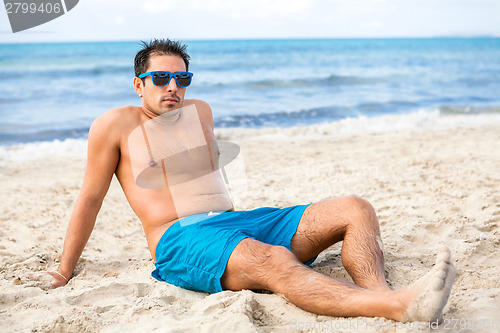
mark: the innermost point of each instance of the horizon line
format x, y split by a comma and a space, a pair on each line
451, 36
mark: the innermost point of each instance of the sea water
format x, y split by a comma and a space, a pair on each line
54, 91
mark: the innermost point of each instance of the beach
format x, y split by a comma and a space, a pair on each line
429, 186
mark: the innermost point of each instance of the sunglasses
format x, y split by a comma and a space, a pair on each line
162, 78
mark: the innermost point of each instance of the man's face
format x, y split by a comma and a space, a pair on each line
160, 100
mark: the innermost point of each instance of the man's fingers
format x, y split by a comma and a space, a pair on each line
58, 280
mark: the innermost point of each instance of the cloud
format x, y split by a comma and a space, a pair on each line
246, 10
374, 24
215, 19
157, 7
119, 20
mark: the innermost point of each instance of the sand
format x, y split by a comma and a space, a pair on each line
429, 187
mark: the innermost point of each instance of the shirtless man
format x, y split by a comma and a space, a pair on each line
262, 249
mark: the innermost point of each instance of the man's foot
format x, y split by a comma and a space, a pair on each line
430, 293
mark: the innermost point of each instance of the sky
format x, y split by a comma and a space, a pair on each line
120, 20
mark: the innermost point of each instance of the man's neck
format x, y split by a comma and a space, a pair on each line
167, 118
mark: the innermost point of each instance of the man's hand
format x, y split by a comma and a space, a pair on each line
59, 279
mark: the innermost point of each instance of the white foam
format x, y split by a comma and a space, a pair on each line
418, 120
421, 119
33, 151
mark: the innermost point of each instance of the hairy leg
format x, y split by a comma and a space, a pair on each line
353, 221
255, 265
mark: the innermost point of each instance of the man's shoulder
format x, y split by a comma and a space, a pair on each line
115, 122
200, 104
120, 114
203, 109
118, 118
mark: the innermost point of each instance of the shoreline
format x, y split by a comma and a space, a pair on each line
388, 123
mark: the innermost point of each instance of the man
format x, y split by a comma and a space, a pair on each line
262, 249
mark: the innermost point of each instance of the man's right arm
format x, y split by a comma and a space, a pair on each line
102, 158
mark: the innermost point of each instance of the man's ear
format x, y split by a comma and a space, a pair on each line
138, 86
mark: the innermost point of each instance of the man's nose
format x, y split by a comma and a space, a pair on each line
172, 86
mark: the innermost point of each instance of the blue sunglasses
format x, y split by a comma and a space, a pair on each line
162, 78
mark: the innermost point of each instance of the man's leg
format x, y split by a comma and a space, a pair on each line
255, 265
353, 221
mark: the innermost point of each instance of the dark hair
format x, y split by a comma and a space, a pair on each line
159, 47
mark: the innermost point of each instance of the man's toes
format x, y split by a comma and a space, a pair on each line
439, 274
442, 274
452, 274
438, 282
442, 267
444, 255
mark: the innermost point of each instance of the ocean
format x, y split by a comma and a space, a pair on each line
54, 91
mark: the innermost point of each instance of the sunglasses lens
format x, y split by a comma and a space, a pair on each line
183, 79
161, 79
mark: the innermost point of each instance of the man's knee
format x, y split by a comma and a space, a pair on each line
280, 255
357, 210
256, 265
366, 212
358, 203
275, 266
273, 260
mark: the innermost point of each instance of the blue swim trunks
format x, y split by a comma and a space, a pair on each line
194, 251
